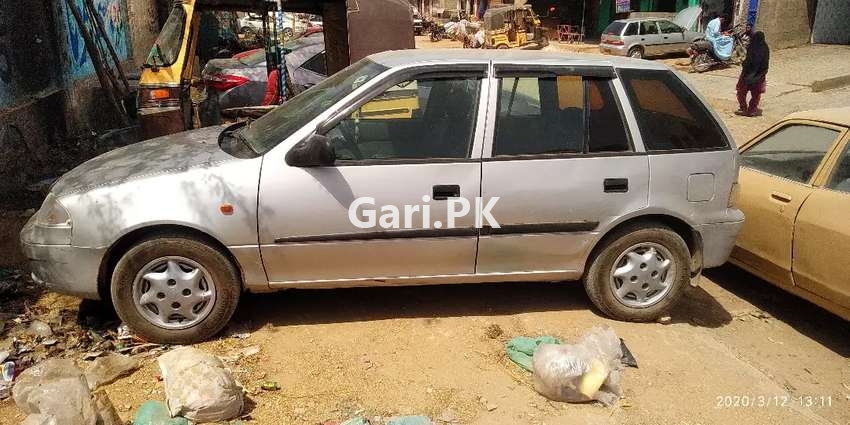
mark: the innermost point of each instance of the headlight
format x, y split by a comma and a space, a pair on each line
52, 213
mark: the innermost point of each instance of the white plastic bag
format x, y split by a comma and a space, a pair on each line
588, 370
198, 387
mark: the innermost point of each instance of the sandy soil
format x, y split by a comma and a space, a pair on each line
427, 350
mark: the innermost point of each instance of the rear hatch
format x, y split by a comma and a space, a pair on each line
613, 33
688, 18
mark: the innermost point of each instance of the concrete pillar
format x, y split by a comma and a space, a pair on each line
786, 23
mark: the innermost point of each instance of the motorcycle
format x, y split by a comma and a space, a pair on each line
438, 32
702, 52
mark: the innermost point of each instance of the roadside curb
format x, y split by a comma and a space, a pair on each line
830, 83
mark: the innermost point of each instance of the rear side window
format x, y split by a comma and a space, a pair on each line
632, 29
557, 115
669, 115
316, 64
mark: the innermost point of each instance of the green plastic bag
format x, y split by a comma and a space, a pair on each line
521, 349
156, 413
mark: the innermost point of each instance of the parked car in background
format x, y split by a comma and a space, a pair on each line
644, 37
795, 191
241, 81
291, 199
288, 24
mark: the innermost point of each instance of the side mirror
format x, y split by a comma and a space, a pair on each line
314, 151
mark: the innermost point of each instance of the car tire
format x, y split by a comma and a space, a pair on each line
209, 296
502, 46
636, 53
288, 32
616, 279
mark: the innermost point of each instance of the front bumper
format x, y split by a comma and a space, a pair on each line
64, 268
718, 239
610, 49
57, 264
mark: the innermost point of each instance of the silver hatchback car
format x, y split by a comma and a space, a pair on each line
642, 37
407, 168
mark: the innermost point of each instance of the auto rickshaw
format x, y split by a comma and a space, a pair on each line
352, 31
513, 26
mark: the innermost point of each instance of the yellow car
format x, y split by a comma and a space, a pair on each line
795, 192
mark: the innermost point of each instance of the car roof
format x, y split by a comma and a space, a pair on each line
645, 18
396, 58
838, 116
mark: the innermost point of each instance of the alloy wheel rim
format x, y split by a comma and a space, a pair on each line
174, 292
643, 275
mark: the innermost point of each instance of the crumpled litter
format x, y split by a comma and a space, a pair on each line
521, 349
199, 387
585, 371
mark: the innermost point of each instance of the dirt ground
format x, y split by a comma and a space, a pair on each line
734, 344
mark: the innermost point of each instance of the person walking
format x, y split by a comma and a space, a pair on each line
753, 79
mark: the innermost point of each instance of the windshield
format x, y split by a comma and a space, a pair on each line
167, 46
265, 133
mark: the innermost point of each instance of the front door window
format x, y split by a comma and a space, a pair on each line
421, 118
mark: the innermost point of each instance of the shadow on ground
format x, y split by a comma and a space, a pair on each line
816, 323
305, 307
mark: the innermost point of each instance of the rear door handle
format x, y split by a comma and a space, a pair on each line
441, 192
781, 197
615, 185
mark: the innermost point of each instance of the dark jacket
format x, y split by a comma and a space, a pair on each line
757, 62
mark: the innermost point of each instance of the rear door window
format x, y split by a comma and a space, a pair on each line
551, 115
793, 152
632, 29
669, 115
648, 28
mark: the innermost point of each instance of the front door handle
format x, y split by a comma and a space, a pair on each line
781, 197
441, 192
615, 185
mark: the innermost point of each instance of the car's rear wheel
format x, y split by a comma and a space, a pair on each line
636, 52
640, 272
288, 32
175, 290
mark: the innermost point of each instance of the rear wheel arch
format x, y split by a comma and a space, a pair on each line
682, 228
127, 241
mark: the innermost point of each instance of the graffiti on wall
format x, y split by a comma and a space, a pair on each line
115, 23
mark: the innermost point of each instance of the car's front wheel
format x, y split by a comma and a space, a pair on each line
640, 272
175, 290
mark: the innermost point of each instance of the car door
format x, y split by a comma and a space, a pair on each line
408, 144
651, 38
672, 37
822, 236
560, 161
775, 180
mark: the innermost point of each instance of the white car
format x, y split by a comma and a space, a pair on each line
287, 24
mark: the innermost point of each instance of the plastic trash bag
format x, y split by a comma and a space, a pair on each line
199, 387
57, 390
156, 413
521, 349
585, 371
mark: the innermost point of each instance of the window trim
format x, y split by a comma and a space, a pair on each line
823, 172
465, 70
585, 153
841, 150
716, 121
